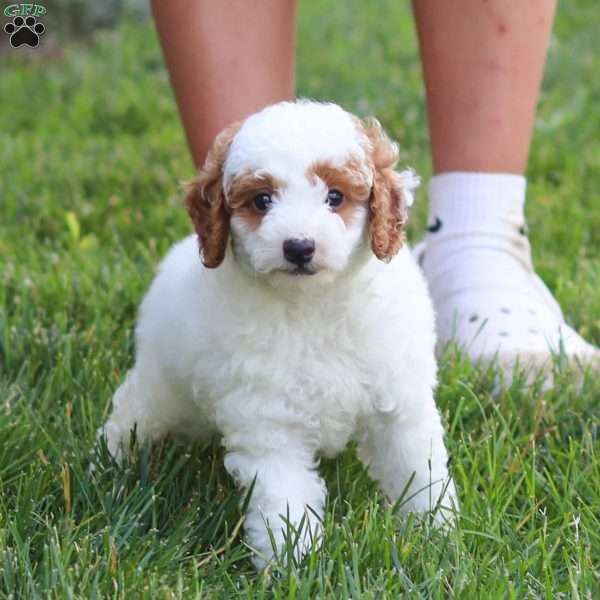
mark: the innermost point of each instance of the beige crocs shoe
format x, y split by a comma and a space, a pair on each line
505, 314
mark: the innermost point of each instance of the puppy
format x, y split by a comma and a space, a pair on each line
315, 329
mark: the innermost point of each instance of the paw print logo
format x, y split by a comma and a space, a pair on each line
24, 31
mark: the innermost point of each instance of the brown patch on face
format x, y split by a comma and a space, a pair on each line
350, 179
242, 191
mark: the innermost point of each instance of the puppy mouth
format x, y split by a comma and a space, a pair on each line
302, 271
298, 271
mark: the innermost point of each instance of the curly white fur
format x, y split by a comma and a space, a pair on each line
284, 367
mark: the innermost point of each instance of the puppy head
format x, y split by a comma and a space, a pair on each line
300, 188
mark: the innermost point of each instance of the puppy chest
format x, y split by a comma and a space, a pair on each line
320, 375
327, 381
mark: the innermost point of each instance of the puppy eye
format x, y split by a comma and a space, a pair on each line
262, 202
334, 198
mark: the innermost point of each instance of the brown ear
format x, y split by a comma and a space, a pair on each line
206, 204
390, 196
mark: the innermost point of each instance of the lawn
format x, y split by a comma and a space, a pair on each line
91, 156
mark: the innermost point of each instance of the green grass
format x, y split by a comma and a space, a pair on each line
91, 153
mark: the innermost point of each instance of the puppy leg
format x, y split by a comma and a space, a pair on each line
143, 403
117, 429
288, 497
399, 449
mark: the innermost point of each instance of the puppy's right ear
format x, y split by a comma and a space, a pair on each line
206, 204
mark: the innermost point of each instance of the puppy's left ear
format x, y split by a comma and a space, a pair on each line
391, 195
206, 203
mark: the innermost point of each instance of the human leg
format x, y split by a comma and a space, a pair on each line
483, 63
226, 60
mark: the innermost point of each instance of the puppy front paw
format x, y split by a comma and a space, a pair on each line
282, 537
446, 508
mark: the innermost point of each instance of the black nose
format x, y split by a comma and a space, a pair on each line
299, 252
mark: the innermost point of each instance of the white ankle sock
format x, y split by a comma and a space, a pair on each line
477, 202
477, 236
472, 210
477, 260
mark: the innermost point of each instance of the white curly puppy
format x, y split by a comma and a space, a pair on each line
316, 329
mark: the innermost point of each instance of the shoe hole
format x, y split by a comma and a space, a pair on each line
503, 333
531, 311
473, 318
505, 310
534, 331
